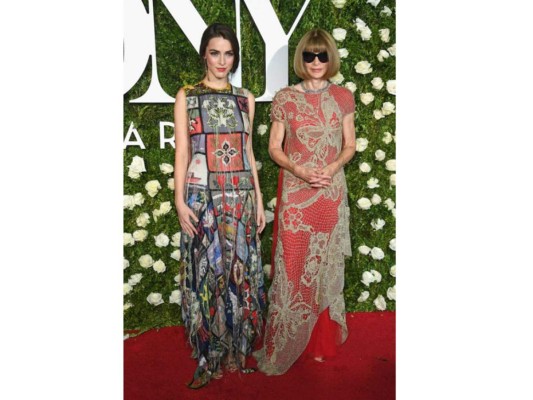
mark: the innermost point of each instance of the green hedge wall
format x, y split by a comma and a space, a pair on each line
178, 64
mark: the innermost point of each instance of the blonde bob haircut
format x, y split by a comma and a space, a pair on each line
317, 41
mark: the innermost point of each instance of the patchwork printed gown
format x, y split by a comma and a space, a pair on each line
221, 272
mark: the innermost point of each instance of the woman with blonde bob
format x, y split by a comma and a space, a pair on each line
311, 138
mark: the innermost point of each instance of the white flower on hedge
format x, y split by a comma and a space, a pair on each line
262, 129
384, 34
392, 50
138, 199
352, 87
159, 266
373, 2
127, 306
372, 183
393, 271
380, 155
269, 216
176, 239
359, 23
135, 279
363, 203
143, 220
127, 288
140, 234
376, 199
377, 83
390, 165
392, 244
258, 165
380, 303
363, 67
365, 167
177, 279
382, 55
376, 275
126, 264
128, 202
166, 168
267, 269
391, 86
170, 183
386, 11
366, 98
136, 167
391, 293
272, 203
155, 299
365, 33
363, 297
176, 255
339, 34
377, 253
378, 114
393, 212
337, 79
338, 3
161, 240
152, 187
387, 137
364, 250
343, 53
392, 180
175, 297
368, 278
165, 207
361, 144
146, 261
390, 204
128, 239
377, 224
388, 108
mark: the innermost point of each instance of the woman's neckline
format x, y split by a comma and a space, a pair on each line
320, 91
228, 87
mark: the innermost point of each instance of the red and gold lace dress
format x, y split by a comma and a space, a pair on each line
311, 237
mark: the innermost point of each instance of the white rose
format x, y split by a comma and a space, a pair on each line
387, 137
378, 114
128, 239
363, 203
352, 87
127, 288
391, 86
267, 269
391, 293
376, 275
126, 264
390, 165
380, 303
339, 34
262, 129
377, 253
390, 204
161, 240
143, 220
165, 207
138, 199
136, 167
386, 11
337, 79
140, 234
363, 67
146, 261
364, 250
175, 297
128, 202
135, 279
384, 34
166, 168
382, 55
365, 33
343, 53
372, 183
388, 108
258, 165
377, 224
361, 144
152, 187
176, 239
338, 3
359, 23
127, 305
269, 216
393, 271
368, 278
155, 299
176, 254
159, 266
377, 83
393, 212
376, 199
366, 98
392, 50
392, 180
177, 279
373, 2
170, 183
392, 244
272, 203
380, 155
365, 167
363, 297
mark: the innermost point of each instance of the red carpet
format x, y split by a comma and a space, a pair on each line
157, 365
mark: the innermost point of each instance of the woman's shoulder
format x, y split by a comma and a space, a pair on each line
340, 90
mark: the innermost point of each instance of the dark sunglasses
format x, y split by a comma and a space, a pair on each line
309, 57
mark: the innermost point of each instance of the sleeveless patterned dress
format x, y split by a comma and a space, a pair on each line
221, 272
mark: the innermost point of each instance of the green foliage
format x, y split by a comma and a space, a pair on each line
178, 64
